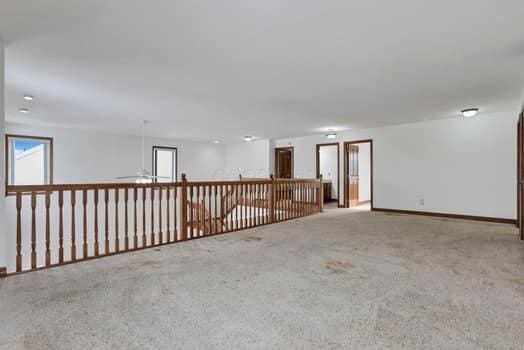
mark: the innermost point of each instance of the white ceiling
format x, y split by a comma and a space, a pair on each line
213, 69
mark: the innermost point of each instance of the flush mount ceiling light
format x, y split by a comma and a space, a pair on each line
24, 110
248, 138
470, 112
29, 97
331, 135
216, 141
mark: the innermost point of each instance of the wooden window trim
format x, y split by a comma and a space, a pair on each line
31, 137
156, 147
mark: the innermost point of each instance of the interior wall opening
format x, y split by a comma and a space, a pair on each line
358, 175
328, 159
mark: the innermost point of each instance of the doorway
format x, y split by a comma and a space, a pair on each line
358, 174
284, 162
328, 161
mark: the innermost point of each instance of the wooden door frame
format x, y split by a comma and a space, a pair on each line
288, 148
319, 145
346, 165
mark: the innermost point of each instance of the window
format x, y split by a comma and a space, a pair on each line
165, 164
29, 160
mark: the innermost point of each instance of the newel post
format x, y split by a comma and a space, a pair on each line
183, 209
321, 194
271, 199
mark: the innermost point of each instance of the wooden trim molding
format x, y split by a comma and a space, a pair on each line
371, 166
6, 155
447, 215
338, 164
154, 148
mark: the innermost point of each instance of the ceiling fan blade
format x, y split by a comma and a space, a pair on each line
126, 177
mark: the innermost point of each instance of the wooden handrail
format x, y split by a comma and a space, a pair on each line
75, 222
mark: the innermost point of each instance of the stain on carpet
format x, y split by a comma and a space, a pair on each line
337, 266
252, 239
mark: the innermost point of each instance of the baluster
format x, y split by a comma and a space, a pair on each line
33, 230
245, 198
191, 226
175, 213
258, 190
275, 199
238, 219
144, 237
231, 196
197, 211
84, 222
210, 228
135, 223
183, 209
285, 203
202, 213
168, 214
215, 219
117, 231
18, 231
302, 199
106, 226
152, 227
47, 229
126, 219
73, 226
96, 244
223, 221
60, 227
160, 234
250, 207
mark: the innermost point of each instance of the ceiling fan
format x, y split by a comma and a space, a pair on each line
143, 176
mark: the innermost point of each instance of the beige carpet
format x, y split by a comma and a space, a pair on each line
337, 280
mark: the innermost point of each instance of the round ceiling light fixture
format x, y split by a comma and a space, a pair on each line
24, 110
29, 97
248, 138
470, 112
331, 135
216, 141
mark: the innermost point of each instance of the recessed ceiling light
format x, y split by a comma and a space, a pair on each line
471, 112
248, 138
29, 97
331, 135
216, 141
24, 110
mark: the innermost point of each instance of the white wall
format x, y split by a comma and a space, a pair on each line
457, 165
329, 167
251, 159
364, 169
87, 157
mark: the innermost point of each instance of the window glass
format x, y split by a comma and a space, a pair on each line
164, 164
28, 160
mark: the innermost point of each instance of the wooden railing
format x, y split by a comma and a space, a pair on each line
54, 225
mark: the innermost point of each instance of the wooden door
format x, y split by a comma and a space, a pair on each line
520, 175
353, 178
284, 162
